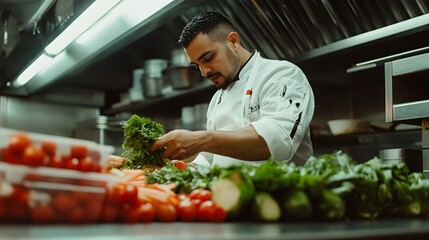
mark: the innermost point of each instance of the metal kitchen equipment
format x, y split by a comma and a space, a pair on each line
182, 77
411, 157
179, 58
180, 73
103, 130
406, 96
152, 80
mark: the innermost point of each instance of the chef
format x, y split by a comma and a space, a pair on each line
262, 107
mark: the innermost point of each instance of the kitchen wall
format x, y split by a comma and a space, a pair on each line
42, 117
359, 102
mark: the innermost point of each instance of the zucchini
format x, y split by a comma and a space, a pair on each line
297, 205
265, 208
233, 191
330, 206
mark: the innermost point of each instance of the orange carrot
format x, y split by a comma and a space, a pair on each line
158, 195
163, 188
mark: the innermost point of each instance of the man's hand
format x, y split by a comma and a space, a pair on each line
114, 161
179, 144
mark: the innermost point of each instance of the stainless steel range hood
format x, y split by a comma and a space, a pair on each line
281, 29
128, 20
286, 29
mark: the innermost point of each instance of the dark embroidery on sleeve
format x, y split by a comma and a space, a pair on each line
295, 126
283, 92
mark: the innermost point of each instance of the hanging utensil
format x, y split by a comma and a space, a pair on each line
5, 21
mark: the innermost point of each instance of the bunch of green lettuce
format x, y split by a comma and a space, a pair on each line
139, 135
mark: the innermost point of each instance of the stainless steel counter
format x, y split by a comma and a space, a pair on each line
381, 229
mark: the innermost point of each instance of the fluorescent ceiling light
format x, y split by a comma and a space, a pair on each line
80, 25
41, 62
131, 12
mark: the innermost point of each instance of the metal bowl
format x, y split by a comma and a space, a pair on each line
348, 126
179, 58
182, 77
154, 67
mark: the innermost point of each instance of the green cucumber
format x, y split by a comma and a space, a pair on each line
330, 206
233, 191
297, 205
265, 208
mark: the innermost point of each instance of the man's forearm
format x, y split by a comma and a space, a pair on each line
243, 144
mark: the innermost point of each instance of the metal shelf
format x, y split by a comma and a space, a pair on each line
175, 98
411, 109
404, 28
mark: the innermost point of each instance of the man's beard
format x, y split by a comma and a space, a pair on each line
235, 62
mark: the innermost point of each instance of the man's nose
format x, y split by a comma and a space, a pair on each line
204, 71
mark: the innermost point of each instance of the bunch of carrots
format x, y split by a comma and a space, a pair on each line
132, 200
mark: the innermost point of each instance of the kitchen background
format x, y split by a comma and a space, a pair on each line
332, 41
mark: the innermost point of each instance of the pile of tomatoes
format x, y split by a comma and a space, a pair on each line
125, 204
21, 204
21, 150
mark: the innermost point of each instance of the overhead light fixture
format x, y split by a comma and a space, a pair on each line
41, 62
130, 12
92, 25
80, 25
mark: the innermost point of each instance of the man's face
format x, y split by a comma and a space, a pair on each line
216, 60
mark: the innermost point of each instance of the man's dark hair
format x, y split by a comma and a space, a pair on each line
206, 23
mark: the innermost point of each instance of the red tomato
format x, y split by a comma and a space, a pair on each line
72, 163
182, 196
18, 212
42, 214
187, 211
18, 142
4, 211
9, 157
33, 156
95, 155
116, 194
79, 151
87, 164
165, 213
49, 147
197, 202
201, 194
131, 195
179, 164
110, 213
130, 214
210, 212
220, 215
147, 213
94, 210
97, 167
56, 162
63, 202
82, 197
77, 215
19, 196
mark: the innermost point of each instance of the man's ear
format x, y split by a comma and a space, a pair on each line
233, 39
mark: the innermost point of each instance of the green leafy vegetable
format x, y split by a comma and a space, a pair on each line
139, 135
330, 187
187, 179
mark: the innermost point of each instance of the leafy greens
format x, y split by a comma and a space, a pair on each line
139, 135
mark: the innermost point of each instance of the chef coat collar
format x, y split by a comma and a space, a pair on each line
244, 70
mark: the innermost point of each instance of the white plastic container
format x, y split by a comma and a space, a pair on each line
69, 151
46, 195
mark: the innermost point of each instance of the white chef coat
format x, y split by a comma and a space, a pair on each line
280, 109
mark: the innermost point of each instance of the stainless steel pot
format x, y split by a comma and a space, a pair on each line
182, 77
152, 86
411, 157
179, 58
154, 67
